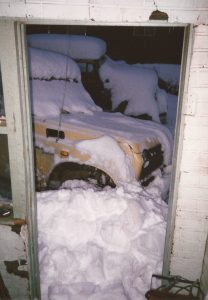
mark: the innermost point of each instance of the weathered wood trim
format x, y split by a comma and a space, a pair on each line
15, 81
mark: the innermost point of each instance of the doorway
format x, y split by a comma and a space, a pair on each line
145, 31
158, 49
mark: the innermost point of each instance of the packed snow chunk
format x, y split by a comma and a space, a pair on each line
99, 244
49, 98
106, 152
136, 85
45, 64
75, 46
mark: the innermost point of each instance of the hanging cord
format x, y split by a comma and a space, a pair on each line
64, 90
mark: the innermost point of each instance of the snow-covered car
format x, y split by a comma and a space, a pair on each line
134, 90
76, 139
113, 85
98, 147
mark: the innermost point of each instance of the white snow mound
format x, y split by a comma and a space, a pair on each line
45, 64
49, 97
106, 151
75, 46
99, 244
136, 85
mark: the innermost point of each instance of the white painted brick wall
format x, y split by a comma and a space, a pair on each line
191, 225
185, 11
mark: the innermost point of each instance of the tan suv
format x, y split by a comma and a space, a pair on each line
123, 150
74, 137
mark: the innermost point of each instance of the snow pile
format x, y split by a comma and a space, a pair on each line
50, 97
45, 64
99, 244
106, 151
136, 85
75, 46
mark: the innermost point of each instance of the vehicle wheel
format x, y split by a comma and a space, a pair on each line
72, 171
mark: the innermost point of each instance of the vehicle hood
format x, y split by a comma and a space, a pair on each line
139, 134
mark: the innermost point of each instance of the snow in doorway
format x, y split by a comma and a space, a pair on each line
100, 244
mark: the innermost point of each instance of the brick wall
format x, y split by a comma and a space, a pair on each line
191, 223
185, 11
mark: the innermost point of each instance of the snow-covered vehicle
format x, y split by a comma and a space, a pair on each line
134, 90
113, 85
74, 137
98, 147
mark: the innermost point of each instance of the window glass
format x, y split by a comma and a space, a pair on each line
5, 180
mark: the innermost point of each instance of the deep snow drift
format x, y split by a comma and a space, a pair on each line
100, 244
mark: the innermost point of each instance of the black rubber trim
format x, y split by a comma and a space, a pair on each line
55, 133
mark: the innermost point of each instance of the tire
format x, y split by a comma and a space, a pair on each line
72, 171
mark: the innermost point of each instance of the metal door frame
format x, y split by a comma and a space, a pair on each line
19, 129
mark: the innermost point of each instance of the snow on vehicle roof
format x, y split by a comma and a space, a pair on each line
45, 64
136, 85
50, 92
49, 98
75, 46
168, 72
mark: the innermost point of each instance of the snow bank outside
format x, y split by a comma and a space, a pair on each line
45, 64
75, 46
122, 244
136, 85
50, 97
